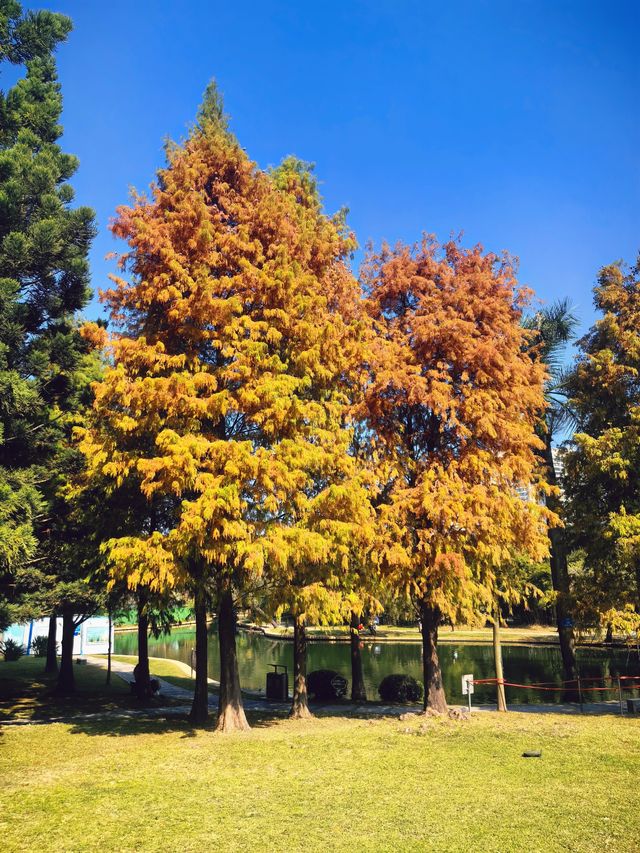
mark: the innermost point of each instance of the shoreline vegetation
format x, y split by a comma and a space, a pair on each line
543, 635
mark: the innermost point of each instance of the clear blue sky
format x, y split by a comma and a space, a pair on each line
516, 122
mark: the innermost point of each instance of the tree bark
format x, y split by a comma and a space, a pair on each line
501, 699
300, 704
142, 676
358, 689
560, 575
200, 707
434, 695
231, 716
66, 679
609, 635
52, 645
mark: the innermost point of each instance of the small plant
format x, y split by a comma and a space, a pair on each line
400, 688
39, 646
11, 650
326, 685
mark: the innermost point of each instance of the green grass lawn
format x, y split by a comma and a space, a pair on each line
26, 691
323, 785
529, 634
164, 668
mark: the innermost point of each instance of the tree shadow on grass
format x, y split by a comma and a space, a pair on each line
130, 726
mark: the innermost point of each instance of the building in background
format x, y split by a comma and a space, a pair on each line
90, 638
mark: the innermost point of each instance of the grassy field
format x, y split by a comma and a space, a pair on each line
26, 692
164, 668
530, 634
416, 784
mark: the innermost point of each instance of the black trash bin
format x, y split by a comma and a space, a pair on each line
278, 683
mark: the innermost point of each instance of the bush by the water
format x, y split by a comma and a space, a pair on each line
326, 684
39, 646
11, 650
400, 688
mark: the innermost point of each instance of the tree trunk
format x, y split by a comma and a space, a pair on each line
66, 680
358, 690
52, 645
231, 716
300, 705
501, 699
141, 671
200, 706
434, 695
609, 635
560, 575
109, 650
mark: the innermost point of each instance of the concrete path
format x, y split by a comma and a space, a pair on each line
253, 701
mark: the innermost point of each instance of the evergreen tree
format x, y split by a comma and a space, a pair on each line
602, 465
44, 278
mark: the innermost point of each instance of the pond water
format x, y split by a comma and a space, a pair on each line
522, 664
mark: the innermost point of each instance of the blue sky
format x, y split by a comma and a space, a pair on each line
515, 122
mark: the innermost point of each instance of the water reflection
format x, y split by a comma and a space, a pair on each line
522, 664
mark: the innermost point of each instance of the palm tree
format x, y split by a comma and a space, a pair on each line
556, 325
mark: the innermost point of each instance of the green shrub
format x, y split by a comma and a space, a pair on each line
39, 646
326, 685
400, 688
11, 650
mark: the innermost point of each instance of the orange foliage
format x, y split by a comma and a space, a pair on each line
454, 401
227, 402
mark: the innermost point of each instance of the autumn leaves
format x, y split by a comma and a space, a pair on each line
301, 438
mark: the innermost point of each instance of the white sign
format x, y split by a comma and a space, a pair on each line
467, 684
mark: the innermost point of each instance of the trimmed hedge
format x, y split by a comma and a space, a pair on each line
326, 685
400, 688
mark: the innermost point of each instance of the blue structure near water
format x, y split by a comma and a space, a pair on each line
91, 636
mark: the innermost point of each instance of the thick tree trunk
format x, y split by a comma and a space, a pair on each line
52, 645
66, 680
358, 690
560, 576
300, 705
501, 699
434, 695
142, 676
231, 716
200, 706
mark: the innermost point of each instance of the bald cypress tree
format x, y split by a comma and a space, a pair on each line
44, 281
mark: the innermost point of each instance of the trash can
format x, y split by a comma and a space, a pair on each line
278, 683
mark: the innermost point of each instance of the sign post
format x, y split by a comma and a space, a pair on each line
467, 687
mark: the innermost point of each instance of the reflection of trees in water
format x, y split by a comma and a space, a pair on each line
522, 664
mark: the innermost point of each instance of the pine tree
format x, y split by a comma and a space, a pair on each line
44, 271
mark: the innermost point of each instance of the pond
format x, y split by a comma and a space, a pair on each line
522, 664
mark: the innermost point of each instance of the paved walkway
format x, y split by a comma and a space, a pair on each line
255, 702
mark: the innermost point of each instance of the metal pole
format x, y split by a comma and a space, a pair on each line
469, 695
580, 695
620, 696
